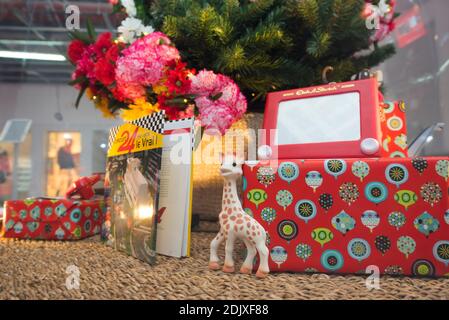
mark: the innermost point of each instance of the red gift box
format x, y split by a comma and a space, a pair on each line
52, 219
394, 129
345, 215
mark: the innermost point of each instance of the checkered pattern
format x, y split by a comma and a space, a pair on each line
154, 122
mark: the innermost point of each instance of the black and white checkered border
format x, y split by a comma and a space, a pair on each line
154, 122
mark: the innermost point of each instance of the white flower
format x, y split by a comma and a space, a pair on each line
130, 7
132, 28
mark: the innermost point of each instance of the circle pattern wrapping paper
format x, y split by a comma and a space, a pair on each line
53, 219
394, 215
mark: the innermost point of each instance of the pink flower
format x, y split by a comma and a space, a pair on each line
142, 64
219, 100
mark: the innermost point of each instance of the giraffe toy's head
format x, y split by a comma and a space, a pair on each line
231, 166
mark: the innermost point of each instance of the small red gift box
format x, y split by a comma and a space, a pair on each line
52, 219
394, 129
344, 215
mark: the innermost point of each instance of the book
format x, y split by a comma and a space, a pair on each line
175, 197
133, 174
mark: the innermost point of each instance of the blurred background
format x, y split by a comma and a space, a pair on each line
64, 142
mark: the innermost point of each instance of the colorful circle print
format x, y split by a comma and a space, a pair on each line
359, 249
332, 260
394, 270
446, 217
87, 226
376, 192
268, 214
395, 123
426, 224
305, 210
423, 268
431, 193
397, 154
420, 164
322, 235
397, 219
303, 251
382, 243
75, 215
287, 230
405, 198
388, 106
370, 219
442, 168
314, 179
335, 167
360, 169
326, 201
349, 192
257, 196
265, 176
288, 171
441, 251
396, 174
406, 245
279, 255
284, 198
343, 222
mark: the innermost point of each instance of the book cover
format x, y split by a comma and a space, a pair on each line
133, 170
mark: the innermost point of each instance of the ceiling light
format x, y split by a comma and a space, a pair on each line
31, 55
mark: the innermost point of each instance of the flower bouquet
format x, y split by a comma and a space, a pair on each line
148, 75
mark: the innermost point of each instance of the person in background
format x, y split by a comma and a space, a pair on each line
5, 169
66, 165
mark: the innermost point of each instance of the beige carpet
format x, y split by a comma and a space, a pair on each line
37, 270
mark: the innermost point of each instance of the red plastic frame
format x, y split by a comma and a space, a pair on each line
369, 121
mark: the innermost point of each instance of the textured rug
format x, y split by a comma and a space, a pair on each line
40, 269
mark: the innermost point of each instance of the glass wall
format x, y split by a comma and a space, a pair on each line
63, 161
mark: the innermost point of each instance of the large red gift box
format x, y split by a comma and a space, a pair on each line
52, 219
345, 215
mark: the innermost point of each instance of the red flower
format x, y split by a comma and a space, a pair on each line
172, 113
178, 81
105, 71
103, 43
75, 50
105, 66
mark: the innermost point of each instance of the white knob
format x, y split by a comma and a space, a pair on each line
264, 152
369, 146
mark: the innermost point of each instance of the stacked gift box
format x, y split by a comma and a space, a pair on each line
78, 216
353, 214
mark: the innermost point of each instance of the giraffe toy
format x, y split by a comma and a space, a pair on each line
235, 223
